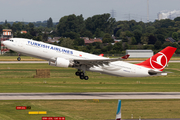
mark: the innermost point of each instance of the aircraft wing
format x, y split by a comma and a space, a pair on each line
96, 62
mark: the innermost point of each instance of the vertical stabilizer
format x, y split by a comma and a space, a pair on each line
118, 113
159, 61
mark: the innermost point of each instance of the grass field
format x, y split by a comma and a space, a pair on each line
89, 110
19, 78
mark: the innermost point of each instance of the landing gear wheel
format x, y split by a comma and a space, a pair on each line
86, 77
19, 59
81, 77
77, 73
81, 74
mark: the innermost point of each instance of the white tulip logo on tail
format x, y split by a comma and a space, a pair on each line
158, 61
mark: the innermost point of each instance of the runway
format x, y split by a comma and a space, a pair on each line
90, 95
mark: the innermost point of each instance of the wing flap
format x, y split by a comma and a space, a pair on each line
98, 62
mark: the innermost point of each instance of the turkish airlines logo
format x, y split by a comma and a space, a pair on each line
158, 61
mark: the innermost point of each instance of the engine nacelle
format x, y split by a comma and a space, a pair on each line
61, 62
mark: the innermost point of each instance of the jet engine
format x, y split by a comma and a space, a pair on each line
61, 62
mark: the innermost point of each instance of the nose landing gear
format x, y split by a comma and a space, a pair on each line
19, 58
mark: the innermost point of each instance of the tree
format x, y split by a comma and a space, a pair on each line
88, 34
157, 45
118, 47
150, 29
1, 28
31, 26
144, 39
177, 19
17, 26
107, 38
137, 35
175, 35
125, 46
161, 38
128, 33
49, 23
32, 32
98, 33
117, 34
177, 24
137, 27
79, 41
67, 42
125, 39
45, 37
166, 23
103, 22
24, 35
152, 39
133, 41
71, 23
71, 35
162, 31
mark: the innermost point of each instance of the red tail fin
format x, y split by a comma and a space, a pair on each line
159, 60
101, 55
126, 56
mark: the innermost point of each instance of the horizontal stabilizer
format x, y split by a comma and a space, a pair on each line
157, 73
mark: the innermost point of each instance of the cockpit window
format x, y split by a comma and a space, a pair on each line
11, 40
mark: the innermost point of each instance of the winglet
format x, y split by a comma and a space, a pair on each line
118, 113
126, 56
101, 55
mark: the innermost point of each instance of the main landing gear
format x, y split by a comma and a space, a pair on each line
81, 75
19, 58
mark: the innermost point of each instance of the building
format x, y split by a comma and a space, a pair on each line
170, 39
168, 14
89, 41
7, 34
140, 53
23, 32
54, 39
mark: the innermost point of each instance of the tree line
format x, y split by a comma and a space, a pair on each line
133, 35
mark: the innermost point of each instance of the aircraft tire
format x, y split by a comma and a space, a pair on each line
19, 59
81, 74
81, 77
77, 73
86, 77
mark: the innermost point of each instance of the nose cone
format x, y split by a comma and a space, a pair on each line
3, 42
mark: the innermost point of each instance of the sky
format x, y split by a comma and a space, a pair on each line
40, 10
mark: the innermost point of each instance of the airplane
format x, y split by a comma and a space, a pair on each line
118, 113
64, 57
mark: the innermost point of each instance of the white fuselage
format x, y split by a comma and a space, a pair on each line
51, 52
